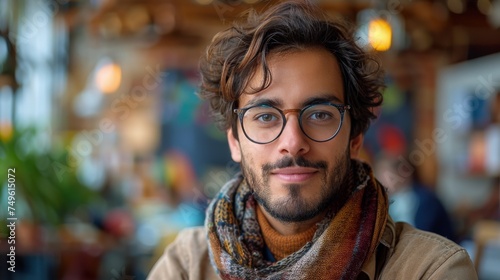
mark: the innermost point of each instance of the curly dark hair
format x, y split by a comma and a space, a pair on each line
234, 55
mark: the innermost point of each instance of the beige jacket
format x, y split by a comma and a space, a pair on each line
404, 253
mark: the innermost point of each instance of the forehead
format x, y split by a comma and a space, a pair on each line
297, 77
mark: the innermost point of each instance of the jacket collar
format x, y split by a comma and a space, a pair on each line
376, 262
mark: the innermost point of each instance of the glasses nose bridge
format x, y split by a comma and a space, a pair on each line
286, 111
295, 111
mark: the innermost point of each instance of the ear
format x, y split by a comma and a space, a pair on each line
234, 146
355, 145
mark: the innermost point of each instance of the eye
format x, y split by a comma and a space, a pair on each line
266, 117
320, 115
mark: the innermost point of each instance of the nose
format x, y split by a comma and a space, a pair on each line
292, 140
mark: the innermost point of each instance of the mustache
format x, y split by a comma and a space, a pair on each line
291, 162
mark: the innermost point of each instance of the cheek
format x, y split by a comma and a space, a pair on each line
250, 153
334, 149
333, 153
344, 141
254, 156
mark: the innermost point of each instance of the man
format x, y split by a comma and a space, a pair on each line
295, 94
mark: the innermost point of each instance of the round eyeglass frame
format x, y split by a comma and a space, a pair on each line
341, 107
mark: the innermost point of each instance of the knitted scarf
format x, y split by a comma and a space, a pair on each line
344, 240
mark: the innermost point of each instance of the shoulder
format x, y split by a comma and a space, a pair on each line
424, 255
186, 258
410, 239
194, 238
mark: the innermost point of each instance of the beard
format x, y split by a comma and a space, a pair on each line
294, 207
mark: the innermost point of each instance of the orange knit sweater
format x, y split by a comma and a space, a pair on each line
282, 245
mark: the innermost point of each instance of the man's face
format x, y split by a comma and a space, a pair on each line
295, 178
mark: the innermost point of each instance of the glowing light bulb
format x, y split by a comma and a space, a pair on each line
108, 77
380, 34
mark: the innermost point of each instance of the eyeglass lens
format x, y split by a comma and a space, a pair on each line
263, 124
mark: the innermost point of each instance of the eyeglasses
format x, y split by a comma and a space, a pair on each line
262, 124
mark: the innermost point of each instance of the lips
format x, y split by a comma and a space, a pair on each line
294, 174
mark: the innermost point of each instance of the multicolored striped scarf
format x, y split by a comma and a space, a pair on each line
344, 240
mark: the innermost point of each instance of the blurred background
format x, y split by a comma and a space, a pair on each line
110, 152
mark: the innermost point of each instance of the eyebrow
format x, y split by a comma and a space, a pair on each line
264, 101
324, 98
318, 99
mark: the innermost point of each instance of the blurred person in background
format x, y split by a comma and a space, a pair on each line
295, 94
411, 201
